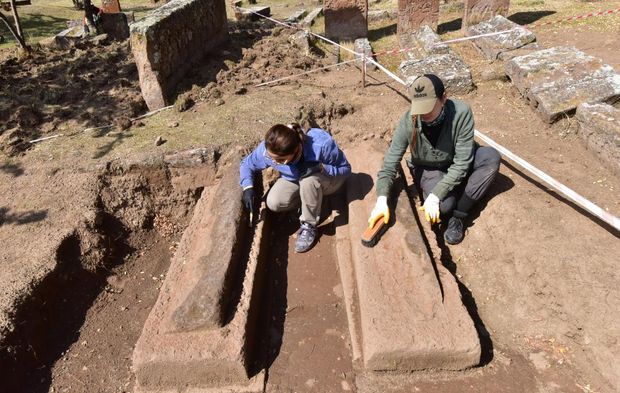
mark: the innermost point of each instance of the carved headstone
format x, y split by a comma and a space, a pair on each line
412, 14
477, 11
346, 19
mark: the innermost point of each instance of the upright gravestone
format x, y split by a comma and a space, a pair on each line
413, 14
477, 11
346, 19
110, 6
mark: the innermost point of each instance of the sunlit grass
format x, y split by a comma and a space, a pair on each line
45, 18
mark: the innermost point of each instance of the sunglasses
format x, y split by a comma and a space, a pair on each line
283, 160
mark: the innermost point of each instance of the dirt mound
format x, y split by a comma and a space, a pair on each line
52, 90
256, 53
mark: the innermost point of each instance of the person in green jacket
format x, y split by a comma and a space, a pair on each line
450, 170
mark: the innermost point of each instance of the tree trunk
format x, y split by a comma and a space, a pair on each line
18, 37
18, 25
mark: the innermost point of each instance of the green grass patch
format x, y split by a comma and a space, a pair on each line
45, 18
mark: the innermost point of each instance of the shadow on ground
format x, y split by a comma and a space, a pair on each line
8, 217
49, 321
526, 18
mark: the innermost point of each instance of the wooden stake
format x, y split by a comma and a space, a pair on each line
364, 70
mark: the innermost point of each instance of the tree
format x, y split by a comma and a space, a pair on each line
18, 37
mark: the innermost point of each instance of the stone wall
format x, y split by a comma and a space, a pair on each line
170, 39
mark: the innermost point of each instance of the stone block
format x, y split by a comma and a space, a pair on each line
309, 19
455, 74
207, 303
524, 50
346, 19
115, 26
250, 14
56, 42
599, 127
477, 11
296, 16
407, 309
170, 39
493, 46
72, 33
556, 80
413, 14
301, 40
167, 358
362, 45
430, 42
110, 6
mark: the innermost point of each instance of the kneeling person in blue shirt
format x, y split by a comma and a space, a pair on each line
310, 164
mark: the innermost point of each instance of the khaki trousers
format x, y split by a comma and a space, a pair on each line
286, 195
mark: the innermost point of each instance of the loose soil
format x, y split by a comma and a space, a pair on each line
537, 273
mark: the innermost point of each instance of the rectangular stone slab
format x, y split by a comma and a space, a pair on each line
493, 46
599, 127
309, 19
453, 71
169, 39
206, 304
410, 312
168, 358
557, 80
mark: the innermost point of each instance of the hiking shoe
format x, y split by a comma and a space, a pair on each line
455, 232
306, 236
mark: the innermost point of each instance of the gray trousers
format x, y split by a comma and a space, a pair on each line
286, 195
481, 175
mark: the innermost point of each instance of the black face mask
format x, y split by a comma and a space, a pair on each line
440, 118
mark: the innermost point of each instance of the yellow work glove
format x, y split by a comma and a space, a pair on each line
431, 208
381, 210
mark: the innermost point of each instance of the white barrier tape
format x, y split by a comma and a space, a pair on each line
305, 73
473, 37
542, 176
45, 138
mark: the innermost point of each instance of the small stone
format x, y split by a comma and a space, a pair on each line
174, 124
159, 141
218, 102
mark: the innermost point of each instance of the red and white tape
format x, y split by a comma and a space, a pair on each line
576, 17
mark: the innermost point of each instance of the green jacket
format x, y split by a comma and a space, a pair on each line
454, 151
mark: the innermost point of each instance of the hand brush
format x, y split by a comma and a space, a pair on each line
371, 235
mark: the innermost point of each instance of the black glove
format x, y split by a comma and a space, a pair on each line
248, 199
305, 172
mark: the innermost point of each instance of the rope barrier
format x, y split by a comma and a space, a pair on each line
305, 73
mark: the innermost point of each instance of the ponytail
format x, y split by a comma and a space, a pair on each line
284, 140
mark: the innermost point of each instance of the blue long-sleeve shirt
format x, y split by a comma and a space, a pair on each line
318, 148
